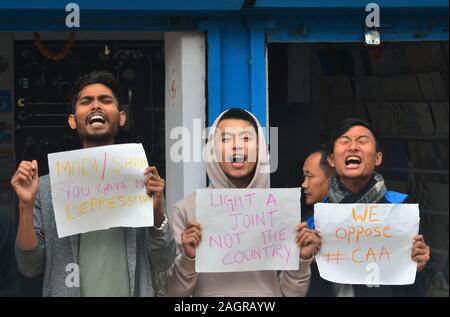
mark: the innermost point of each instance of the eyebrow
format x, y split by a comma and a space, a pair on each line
101, 97
359, 137
249, 131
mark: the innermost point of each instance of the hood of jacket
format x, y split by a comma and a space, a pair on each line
217, 177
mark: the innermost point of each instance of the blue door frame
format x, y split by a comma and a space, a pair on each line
236, 66
237, 31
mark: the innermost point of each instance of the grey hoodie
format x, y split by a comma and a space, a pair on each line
181, 278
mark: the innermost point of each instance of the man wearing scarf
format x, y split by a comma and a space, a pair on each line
355, 153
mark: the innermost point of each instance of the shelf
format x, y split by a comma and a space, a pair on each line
7, 146
414, 170
416, 137
42, 126
435, 212
437, 137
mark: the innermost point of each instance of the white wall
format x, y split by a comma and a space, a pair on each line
185, 102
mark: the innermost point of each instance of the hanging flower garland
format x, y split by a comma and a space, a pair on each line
54, 56
377, 52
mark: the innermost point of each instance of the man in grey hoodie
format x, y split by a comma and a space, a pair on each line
113, 262
237, 141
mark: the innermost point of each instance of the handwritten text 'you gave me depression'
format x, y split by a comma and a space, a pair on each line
105, 194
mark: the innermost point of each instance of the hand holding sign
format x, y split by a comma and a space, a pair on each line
309, 241
420, 252
154, 185
191, 238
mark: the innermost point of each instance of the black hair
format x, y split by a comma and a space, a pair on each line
346, 125
237, 113
323, 163
95, 77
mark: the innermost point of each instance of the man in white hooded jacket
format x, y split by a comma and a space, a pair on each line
241, 161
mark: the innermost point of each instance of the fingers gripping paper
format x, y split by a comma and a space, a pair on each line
99, 188
247, 230
366, 243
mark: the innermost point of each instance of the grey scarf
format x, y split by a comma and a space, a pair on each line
374, 191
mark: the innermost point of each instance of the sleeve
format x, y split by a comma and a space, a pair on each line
180, 279
296, 283
421, 284
160, 248
423, 278
31, 263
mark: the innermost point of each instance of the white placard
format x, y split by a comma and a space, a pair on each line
247, 229
99, 188
367, 243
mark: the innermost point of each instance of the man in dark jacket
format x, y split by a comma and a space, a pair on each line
316, 174
354, 154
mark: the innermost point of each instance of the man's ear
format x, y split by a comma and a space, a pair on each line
330, 159
379, 159
122, 118
72, 121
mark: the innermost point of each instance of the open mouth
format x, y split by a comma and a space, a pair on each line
96, 119
352, 161
237, 160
